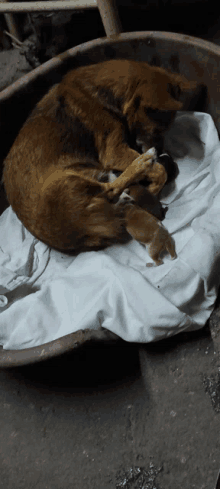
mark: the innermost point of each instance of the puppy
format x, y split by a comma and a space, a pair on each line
79, 129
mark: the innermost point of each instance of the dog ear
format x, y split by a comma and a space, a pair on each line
149, 94
171, 104
186, 85
179, 84
131, 106
143, 100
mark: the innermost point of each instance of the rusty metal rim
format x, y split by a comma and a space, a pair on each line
128, 36
14, 358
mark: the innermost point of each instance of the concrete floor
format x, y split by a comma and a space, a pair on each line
113, 416
89, 418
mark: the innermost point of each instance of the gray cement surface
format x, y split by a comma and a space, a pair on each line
110, 417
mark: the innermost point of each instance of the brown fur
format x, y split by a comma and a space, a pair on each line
79, 129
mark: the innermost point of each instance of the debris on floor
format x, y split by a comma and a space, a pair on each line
29, 48
212, 388
138, 478
13, 66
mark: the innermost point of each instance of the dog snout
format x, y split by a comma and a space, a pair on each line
148, 141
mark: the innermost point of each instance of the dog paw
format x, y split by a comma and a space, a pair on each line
147, 158
162, 242
143, 166
158, 178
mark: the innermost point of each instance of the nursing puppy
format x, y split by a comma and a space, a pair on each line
80, 129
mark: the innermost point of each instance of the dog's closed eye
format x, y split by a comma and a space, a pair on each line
174, 91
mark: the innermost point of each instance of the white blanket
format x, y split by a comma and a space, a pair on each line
46, 295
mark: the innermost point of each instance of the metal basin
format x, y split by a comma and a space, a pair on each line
195, 58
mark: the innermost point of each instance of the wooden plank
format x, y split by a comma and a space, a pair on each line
44, 6
110, 18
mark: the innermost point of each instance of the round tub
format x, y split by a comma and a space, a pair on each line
195, 58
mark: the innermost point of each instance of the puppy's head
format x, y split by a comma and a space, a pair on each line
152, 107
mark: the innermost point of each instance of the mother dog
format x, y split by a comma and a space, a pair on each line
81, 129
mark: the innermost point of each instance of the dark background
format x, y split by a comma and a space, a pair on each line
87, 419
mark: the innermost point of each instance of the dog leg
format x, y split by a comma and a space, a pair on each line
146, 229
142, 167
114, 152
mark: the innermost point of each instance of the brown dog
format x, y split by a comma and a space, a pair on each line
79, 129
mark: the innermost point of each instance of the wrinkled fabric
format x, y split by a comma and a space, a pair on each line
45, 295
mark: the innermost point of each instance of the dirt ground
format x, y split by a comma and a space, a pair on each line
113, 416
